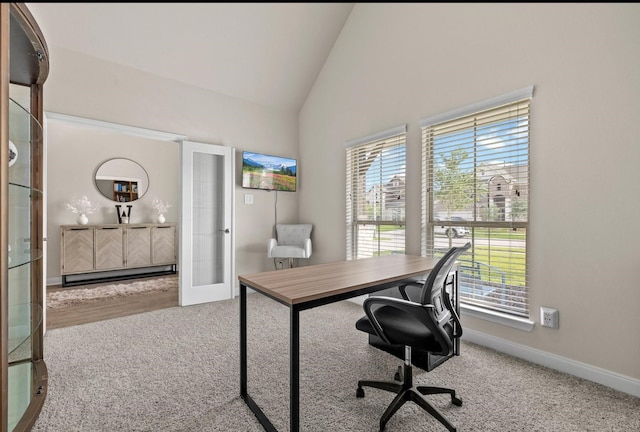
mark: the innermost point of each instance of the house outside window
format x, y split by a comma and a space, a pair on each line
376, 194
476, 189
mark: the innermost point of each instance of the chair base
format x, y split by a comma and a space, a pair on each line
406, 392
290, 261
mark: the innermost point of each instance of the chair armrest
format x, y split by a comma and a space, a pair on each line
457, 328
403, 289
270, 245
424, 313
307, 247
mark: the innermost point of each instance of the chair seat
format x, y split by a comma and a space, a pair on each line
287, 252
400, 329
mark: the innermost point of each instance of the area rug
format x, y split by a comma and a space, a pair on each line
70, 296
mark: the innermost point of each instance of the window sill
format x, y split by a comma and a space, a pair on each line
497, 317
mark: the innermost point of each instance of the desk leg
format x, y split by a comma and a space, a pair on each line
294, 370
262, 418
243, 341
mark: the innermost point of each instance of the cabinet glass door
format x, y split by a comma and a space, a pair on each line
24, 66
25, 314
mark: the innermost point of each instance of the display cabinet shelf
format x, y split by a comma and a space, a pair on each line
17, 259
26, 319
26, 190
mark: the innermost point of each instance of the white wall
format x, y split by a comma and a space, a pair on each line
396, 63
83, 86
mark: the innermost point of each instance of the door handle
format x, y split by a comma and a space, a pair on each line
226, 230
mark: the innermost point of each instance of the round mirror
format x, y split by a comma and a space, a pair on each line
121, 180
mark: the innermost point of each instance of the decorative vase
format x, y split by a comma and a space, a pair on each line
13, 153
161, 218
82, 219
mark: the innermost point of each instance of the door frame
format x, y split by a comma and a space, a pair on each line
190, 147
53, 116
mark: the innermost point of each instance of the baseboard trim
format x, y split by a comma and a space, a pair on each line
598, 375
54, 281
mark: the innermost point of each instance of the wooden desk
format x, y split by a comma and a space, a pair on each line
307, 287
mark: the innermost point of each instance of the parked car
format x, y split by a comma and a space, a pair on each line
452, 231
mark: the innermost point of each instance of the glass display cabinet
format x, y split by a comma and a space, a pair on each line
24, 66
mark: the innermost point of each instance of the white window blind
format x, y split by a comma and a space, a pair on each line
376, 194
476, 188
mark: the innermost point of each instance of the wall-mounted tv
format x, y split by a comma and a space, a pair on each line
268, 172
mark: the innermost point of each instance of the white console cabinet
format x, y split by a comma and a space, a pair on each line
93, 253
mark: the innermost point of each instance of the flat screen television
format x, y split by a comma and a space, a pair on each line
268, 172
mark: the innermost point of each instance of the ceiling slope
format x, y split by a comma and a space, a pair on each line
266, 53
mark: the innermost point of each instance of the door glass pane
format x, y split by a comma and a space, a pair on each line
208, 219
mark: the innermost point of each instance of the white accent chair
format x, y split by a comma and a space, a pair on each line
292, 241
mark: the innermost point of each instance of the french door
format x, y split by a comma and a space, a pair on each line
206, 241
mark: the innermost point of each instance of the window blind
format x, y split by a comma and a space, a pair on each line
476, 188
375, 193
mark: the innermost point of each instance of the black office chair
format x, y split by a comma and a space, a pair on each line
430, 325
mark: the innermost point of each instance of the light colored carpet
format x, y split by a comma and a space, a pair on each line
68, 296
177, 369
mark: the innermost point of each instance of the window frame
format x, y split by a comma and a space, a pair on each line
503, 316
355, 223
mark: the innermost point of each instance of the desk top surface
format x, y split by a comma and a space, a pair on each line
308, 283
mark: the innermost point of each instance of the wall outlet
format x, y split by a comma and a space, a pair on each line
549, 317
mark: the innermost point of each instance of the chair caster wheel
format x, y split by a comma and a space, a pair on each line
456, 401
360, 392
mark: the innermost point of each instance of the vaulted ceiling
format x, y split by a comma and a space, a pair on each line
265, 53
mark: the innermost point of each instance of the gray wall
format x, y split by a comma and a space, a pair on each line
397, 63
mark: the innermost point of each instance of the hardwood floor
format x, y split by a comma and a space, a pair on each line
108, 308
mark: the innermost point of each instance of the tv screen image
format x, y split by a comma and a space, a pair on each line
268, 172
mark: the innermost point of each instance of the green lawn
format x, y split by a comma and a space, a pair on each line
500, 233
511, 263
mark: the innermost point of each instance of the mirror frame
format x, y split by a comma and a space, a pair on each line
124, 179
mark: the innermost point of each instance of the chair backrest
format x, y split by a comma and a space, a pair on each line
293, 234
434, 293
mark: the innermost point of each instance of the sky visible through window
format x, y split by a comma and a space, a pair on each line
390, 163
489, 142
490, 139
